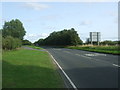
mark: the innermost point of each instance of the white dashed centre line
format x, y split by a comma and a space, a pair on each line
95, 54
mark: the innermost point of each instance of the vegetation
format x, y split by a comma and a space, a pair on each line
0, 39
12, 33
0, 60
9, 43
65, 37
21, 69
34, 47
26, 42
103, 49
108, 42
13, 28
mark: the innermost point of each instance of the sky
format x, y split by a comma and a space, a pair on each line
42, 18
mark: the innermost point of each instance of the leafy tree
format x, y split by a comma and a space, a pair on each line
64, 37
13, 28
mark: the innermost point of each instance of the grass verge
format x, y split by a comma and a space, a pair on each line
25, 68
100, 49
32, 46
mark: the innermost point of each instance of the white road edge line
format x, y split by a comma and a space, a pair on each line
73, 85
116, 65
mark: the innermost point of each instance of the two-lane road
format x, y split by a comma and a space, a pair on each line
87, 69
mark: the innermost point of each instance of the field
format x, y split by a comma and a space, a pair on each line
101, 49
25, 68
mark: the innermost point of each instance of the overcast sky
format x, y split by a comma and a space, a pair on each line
40, 19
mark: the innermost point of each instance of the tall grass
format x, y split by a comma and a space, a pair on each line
102, 49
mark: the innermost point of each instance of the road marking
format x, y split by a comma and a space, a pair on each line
73, 85
116, 65
99, 54
89, 54
95, 54
86, 57
83, 56
93, 59
78, 54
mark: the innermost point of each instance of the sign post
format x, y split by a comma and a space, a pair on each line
95, 37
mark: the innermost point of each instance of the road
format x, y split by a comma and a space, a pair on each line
87, 69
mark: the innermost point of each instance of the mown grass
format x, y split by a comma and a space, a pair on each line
32, 46
29, 69
101, 49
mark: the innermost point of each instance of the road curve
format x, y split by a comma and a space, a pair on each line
87, 69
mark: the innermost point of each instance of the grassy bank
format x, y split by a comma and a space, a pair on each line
101, 49
29, 69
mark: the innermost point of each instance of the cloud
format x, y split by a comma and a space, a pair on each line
86, 22
51, 27
35, 37
60, 0
36, 6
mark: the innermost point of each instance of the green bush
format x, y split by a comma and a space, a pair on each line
26, 42
10, 43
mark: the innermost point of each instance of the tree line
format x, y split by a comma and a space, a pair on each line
64, 37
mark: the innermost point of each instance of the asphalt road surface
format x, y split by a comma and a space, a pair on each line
87, 69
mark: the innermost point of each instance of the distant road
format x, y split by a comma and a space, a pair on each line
87, 69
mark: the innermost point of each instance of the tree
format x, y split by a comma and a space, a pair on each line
39, 42
13, 28
64, 37
108, 42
